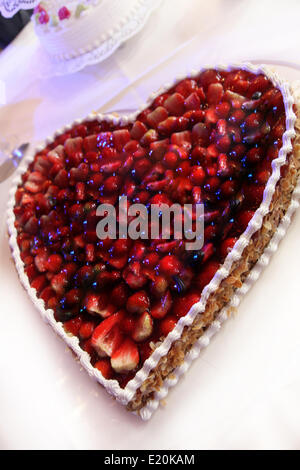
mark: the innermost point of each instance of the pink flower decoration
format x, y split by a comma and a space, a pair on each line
43, 17
64, 13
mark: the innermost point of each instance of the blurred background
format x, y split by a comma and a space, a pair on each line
10, 27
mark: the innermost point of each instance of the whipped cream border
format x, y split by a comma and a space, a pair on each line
125, 395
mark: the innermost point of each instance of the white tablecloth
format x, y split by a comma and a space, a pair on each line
243, 392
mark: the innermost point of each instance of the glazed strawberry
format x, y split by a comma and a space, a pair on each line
138, 302
159, 114
120, 138
41, 260
126, 357
73, 297
46, 294
159, 286
169, 265
86, 329
186, 87
167, 325
120, 294
143, 327
59, 282
107, 337
208, 140
103, 365
192, 101
98, 304
87, 346
197, 175
163, 306
73, 326
138, 130
214, 93
174, 104
54, 263
128, 323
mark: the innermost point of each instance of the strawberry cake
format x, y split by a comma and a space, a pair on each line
133, 310
71, 28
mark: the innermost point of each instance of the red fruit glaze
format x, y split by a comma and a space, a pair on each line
210, 140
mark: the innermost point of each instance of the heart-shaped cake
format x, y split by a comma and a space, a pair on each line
135, 308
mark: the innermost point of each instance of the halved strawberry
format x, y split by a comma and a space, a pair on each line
56, 155
90, 143
138, 130
41, 260
59, 283
54, 263
173, 124
192, 101
186, 87
175, 104
138, 302
73, 145
86, 329
120, 138
150, 136
33, 186
182, 139
126, 357
98, 303
214, 93
39, 283
143, 327
107, 337
73, 325
163, 306
156, 116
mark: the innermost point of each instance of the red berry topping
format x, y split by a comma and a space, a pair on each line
107, 336
138, 302
208, 140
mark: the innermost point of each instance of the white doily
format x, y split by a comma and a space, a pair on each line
9, 7
47, 67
